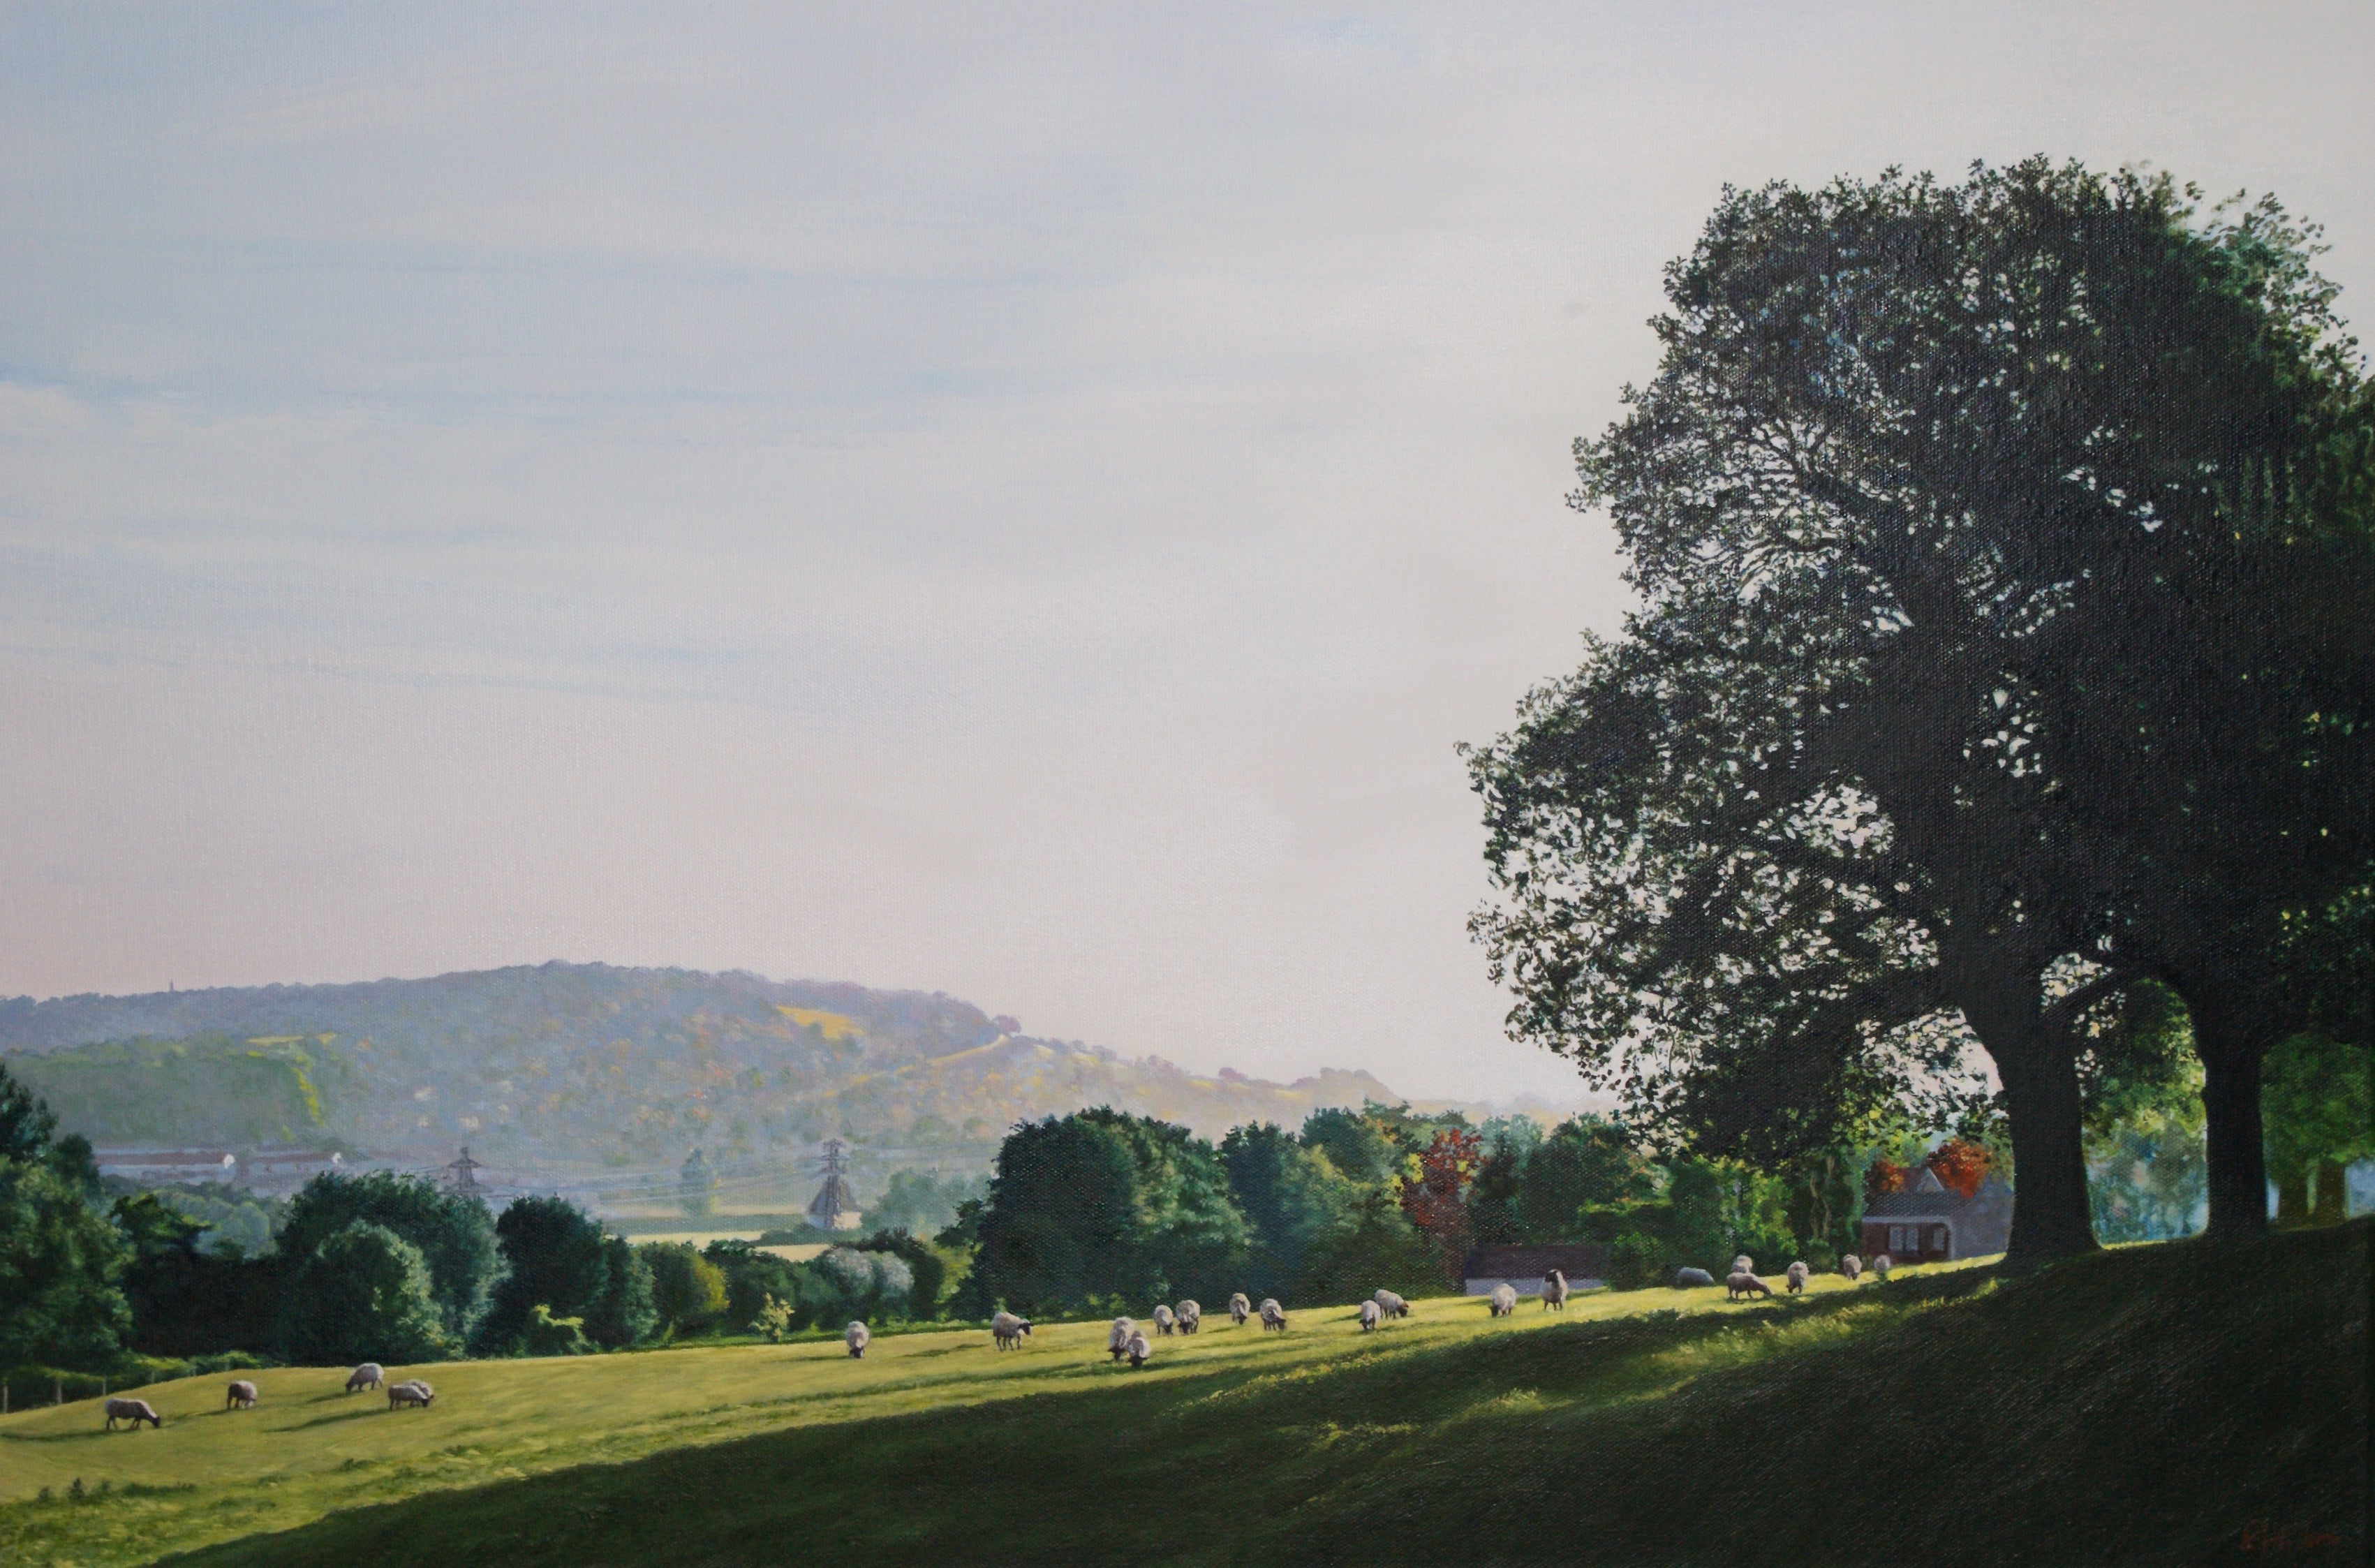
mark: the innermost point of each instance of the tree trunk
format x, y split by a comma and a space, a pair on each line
2237, 1143
2329, 1203
2292, 1199
2050, 1213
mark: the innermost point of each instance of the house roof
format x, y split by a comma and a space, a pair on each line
1926, 1198
1532, 1262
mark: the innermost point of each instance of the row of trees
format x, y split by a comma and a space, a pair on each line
2005, 553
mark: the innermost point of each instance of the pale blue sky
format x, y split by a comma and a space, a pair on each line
1020, 504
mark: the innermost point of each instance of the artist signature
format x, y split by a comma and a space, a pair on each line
2285, 1538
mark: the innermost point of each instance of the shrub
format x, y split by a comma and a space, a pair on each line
1636, 1260
688, 1291
546, 1335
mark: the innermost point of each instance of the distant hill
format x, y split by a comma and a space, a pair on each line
555, 1071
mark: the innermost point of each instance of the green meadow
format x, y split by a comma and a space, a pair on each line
2146, 1405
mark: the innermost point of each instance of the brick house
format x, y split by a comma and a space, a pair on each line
1930, 1223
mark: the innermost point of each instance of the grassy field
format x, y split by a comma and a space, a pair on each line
2150, 1405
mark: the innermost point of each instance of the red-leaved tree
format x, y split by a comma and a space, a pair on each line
1433, 1200
1961, 1164
1883, 1176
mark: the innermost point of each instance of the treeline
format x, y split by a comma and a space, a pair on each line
1100, 1210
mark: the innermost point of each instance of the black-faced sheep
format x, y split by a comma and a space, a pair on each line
1371, 1316
1191, 1317
133, 1410
1164, 1320
366, 1376
1684, 1279
413, 1392
856, 1337
242, 1393
1273, 1314
1139, 1350
1852, 1266
1007, 1331
1240, 1309
1798, 1272
1118, 1338
1746, 1284
1504, 1299
1554, 1292
1391, 1304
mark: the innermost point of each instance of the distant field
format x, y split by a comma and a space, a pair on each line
799, 1253
2148, 1404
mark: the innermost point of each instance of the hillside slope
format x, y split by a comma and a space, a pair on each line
564, 1066
2190, 1402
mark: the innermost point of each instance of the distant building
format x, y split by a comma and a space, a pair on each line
834, 1207
1522, 1269
167, 1165
281, 1169
1931, 1222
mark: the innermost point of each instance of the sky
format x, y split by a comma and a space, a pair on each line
1019, 503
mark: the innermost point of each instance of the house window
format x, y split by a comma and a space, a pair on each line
1940, 1240
1896, 1238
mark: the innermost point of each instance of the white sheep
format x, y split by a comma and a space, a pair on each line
366, 1376
1744, 1284
1798, 1272
1273, 1314
1371, 1315
856, 1337
133, 1410
1554, 1292
1239, 1309
1118, 1337
242, 1393
1139, 1350
1007, 1331
1164, 1320
412, 1393
1744, 1263
1191, 1317
1883, 1264
1852, 1266
1391, 1304
1684, 1279
1504, 1299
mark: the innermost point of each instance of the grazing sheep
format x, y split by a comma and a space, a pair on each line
1746, 1284
1391, 1304
133, 1410
1139, 1350
1504, 1299
1191, 1317
1371, 1316
1686, 1278
1883, 1264
1273, 1314
856, 1337
242, 1393
1007, 1331
1852, 1266
366, 1376
1239, 1309
1164, 1321
414, 1392
1798, 1272
1554, 1292
1744, 1263
1118, 1341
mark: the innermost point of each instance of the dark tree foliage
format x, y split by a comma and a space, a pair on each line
1100, 1206
925, 1267
365, 1294
1585, 1160
751, 1277
557, 1255
61, 1259
188, 1302
454, 1231
688, 1290
1930, 478
1289, 1195
1369, 1243
1358, 1143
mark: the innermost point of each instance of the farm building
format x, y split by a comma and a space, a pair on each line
1929, 1222
1522, 1269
